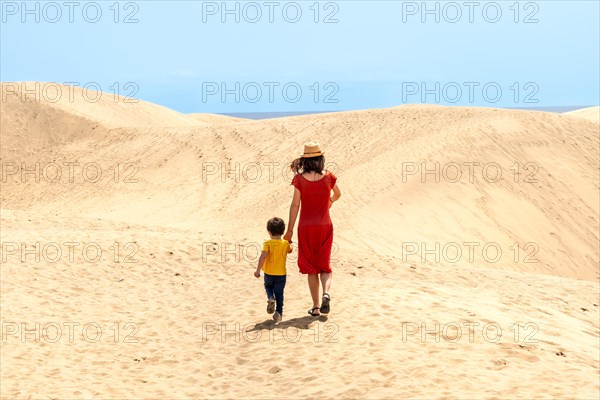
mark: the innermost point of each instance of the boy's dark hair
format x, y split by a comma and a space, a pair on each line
310, 164
276, 226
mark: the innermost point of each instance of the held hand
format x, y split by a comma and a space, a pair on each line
288, 236
257, 274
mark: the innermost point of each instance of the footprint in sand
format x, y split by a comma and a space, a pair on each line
241, 361
500, 364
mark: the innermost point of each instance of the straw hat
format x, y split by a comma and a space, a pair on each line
311, 149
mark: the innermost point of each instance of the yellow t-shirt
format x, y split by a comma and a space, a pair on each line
277, 251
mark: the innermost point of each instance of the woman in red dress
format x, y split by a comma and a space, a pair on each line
312, 190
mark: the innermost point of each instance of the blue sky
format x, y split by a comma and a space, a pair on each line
357, 55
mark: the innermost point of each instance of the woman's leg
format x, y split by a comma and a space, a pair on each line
326, 281
313, 285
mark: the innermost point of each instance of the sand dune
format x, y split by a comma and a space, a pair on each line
109, 109
524, 183
591, 113
182, 208
54, 113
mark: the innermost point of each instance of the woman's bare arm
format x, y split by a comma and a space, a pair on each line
294, 208
336, 193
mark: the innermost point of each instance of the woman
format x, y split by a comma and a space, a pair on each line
312, 189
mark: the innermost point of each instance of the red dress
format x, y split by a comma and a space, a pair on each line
315, 230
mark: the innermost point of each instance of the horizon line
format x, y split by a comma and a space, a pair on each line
257, 115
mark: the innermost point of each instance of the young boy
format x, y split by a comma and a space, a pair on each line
272, 261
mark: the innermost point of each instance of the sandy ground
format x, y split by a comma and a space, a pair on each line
482, 284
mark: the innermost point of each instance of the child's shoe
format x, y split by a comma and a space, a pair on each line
277, 317
271, 306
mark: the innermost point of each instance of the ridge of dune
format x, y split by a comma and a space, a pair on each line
216, 119
589, 113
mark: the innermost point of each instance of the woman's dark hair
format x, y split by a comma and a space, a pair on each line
276, 226
310, 164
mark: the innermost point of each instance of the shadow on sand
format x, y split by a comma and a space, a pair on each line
299, 323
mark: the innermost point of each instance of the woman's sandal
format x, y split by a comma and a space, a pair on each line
312, 311
325, 303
